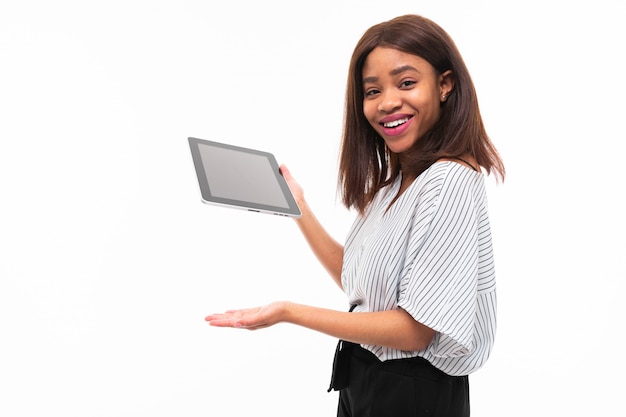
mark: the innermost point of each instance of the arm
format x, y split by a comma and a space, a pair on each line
327, 250
392, 328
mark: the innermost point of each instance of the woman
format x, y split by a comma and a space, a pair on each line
417, 265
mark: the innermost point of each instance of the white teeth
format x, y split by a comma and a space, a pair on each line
396, 122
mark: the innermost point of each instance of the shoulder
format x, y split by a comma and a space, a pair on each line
448, 182
443, 174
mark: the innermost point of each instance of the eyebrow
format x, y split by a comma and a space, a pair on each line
394, 72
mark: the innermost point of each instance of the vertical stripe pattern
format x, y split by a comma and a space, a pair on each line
430, 254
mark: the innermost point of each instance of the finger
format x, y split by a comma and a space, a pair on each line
222, 320
285, 171
244, 324
232, 313
223, 323
239, 311
215, 317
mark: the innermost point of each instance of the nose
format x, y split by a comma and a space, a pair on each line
389, 102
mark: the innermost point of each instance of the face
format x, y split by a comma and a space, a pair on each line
403, 96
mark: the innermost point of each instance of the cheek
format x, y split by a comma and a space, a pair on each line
435, 111
369, 111
430, 107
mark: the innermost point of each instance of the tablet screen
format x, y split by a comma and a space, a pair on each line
241, 178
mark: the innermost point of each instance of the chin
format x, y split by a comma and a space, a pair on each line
399, 148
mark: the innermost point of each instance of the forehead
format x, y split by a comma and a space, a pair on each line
389, 61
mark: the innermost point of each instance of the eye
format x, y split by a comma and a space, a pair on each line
407, 83
371, 92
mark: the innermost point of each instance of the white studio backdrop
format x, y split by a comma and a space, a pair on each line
109, 261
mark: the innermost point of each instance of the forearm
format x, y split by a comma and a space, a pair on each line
393, 328
327, 250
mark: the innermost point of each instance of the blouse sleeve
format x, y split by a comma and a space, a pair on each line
438, 286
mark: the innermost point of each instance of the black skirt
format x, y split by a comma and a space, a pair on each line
407, 387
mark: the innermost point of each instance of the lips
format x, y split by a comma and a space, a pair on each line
395, 125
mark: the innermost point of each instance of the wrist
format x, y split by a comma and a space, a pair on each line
286, 311
302, 205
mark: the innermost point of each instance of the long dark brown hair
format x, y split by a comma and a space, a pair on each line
366, 165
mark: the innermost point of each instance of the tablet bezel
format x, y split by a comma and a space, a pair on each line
205, 191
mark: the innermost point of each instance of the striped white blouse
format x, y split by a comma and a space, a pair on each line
431, 255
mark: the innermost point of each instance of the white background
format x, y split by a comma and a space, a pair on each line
109, 261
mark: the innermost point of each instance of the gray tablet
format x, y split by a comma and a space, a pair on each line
242, 178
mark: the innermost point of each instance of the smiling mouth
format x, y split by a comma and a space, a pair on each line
396, 123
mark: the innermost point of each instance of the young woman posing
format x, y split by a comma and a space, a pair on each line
417, 265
